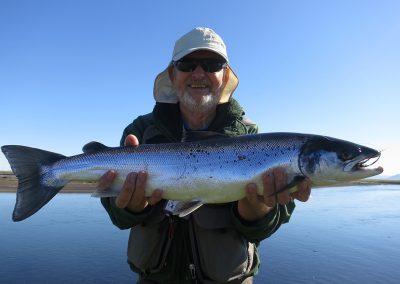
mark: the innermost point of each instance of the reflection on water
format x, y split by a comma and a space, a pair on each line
342, 235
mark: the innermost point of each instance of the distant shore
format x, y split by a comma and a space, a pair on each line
9, 183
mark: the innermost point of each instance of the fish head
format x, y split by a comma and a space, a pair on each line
327, 160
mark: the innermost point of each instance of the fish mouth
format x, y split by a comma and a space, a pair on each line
364, 163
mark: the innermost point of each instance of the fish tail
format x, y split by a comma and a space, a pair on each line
26, 163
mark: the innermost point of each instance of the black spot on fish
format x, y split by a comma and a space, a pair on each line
241, 157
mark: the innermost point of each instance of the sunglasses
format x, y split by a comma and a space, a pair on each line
209, 65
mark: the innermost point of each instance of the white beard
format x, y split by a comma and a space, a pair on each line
207, 102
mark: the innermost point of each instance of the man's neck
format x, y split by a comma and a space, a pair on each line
197, 120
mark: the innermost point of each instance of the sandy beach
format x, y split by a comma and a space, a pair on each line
9, 183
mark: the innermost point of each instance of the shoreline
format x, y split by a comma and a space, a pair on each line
9, 183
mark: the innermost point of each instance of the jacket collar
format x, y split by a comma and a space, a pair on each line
167, 117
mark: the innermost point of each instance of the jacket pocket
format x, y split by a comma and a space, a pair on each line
148, 246
223, 253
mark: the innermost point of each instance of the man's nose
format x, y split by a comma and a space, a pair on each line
198, 72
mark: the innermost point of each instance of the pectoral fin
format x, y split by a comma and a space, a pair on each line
291, 186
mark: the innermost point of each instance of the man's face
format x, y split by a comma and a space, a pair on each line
199, 90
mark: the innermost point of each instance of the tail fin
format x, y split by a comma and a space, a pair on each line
26, 162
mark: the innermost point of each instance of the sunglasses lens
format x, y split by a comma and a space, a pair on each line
212, 65
208, 65
185, 65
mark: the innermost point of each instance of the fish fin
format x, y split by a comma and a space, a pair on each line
26, 163
291, 186
182, 208
191, 136
93, 147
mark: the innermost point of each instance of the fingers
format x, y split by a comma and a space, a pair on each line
251, 195
138, 200
252, 206
131, 140
303, 191
133, 193
269, 189
280, 182
106, 180
273, 181
127, 191
155, 197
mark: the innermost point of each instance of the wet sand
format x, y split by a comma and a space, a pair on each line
9, 183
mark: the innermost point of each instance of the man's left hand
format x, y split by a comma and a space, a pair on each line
254, 206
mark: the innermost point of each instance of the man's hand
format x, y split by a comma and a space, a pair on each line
132, 195
254, 206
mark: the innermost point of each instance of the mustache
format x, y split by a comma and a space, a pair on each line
199, 82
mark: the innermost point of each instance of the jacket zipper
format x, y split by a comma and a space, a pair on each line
171, 228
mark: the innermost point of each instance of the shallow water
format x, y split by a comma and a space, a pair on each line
342, 235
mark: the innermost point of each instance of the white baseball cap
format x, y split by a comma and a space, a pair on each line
199, 38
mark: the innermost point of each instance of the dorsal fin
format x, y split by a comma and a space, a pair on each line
191, 136
93, 147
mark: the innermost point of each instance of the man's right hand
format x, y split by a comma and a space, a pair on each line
132, 195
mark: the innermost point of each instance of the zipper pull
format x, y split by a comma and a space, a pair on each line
171, 228
192, 270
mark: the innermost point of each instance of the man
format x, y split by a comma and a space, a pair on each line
216, 243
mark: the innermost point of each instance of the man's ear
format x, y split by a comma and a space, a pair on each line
171, 73
226, 77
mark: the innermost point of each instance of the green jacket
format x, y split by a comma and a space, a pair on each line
211, 245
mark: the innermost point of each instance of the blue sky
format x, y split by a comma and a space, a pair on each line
77, 71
